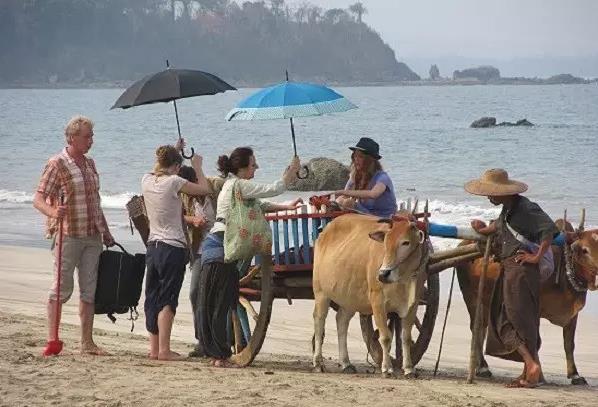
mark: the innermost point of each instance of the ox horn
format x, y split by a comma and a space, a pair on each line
415, 205
564, 227
580, 228
386, 220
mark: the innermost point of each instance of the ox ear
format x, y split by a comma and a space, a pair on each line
422, 236
377, 235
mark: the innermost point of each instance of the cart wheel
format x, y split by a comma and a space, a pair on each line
424, 327
243, 356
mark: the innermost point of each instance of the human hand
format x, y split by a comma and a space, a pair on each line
477, 225
295, 203
199, 221
59, 212
290, 174
523, 257
196, 162
180, 144
107, 239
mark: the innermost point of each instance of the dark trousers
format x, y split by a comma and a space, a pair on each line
163, 280
219, 293
194, 297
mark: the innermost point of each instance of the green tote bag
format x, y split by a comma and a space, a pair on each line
247, 230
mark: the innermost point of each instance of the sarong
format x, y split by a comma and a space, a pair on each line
515, 311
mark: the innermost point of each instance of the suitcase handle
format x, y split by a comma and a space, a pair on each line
121, 248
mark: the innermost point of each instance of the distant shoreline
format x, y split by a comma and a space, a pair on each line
424, 82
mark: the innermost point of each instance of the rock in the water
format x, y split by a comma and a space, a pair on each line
491, 122
484, 122
522, 122
325, 174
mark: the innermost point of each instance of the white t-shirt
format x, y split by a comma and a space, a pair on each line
164, 208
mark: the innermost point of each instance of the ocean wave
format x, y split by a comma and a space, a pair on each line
15, 199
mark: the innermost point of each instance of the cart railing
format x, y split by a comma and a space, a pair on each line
293, 237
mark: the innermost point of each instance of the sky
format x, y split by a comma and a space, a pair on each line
518, 34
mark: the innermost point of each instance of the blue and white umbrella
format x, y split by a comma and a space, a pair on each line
288, 100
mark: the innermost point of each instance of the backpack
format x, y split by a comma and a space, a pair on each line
120, 278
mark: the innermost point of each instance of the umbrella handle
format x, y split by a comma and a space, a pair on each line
188, 157
305, 170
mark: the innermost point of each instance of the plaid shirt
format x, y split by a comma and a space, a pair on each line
80, 186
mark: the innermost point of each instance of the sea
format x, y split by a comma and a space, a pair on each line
427, 146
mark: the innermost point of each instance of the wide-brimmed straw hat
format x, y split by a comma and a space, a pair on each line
367, 146
495, 182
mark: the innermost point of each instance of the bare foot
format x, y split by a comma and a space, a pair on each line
93, 349
529, 379
152, 356
521, 384
533, 374
170, 356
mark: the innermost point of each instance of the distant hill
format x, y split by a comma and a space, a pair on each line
111, 42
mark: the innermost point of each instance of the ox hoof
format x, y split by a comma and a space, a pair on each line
579, 381
485, 372
318, 369
350, 369
411, 375
388, 375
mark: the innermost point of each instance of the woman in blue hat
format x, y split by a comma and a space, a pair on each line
369, 189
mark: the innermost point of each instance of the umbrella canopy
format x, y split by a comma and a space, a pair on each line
290, 99
171, 84
287, 100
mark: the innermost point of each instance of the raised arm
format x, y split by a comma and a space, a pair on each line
373, 193
202, 187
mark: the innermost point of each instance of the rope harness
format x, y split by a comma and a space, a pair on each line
577, 284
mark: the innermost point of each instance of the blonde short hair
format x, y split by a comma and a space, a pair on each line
74, 126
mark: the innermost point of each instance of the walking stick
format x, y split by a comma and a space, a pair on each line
54, 346
473, 354
448, 307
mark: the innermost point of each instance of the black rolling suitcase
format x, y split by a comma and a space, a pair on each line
120, 279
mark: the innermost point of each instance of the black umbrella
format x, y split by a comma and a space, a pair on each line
170, 85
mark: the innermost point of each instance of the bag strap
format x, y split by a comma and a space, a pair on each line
520, 238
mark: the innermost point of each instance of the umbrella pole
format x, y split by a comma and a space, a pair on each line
293, 137
176, 113
305, 168
178, 126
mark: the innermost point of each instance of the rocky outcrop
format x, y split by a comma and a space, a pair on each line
522, 122
486, 122
484, 74
325, 174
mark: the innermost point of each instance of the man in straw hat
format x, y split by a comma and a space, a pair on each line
513, 329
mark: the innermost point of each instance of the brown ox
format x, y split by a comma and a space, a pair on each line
376, 275
560, 302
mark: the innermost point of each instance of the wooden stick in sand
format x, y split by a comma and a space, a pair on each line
473, 354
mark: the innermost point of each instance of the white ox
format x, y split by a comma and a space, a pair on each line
371, 266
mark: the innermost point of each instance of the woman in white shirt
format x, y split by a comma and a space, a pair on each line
167, 251
219, 282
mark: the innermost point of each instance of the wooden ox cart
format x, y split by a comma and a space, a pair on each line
288, 275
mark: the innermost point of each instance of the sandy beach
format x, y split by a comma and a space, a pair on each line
280, 375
